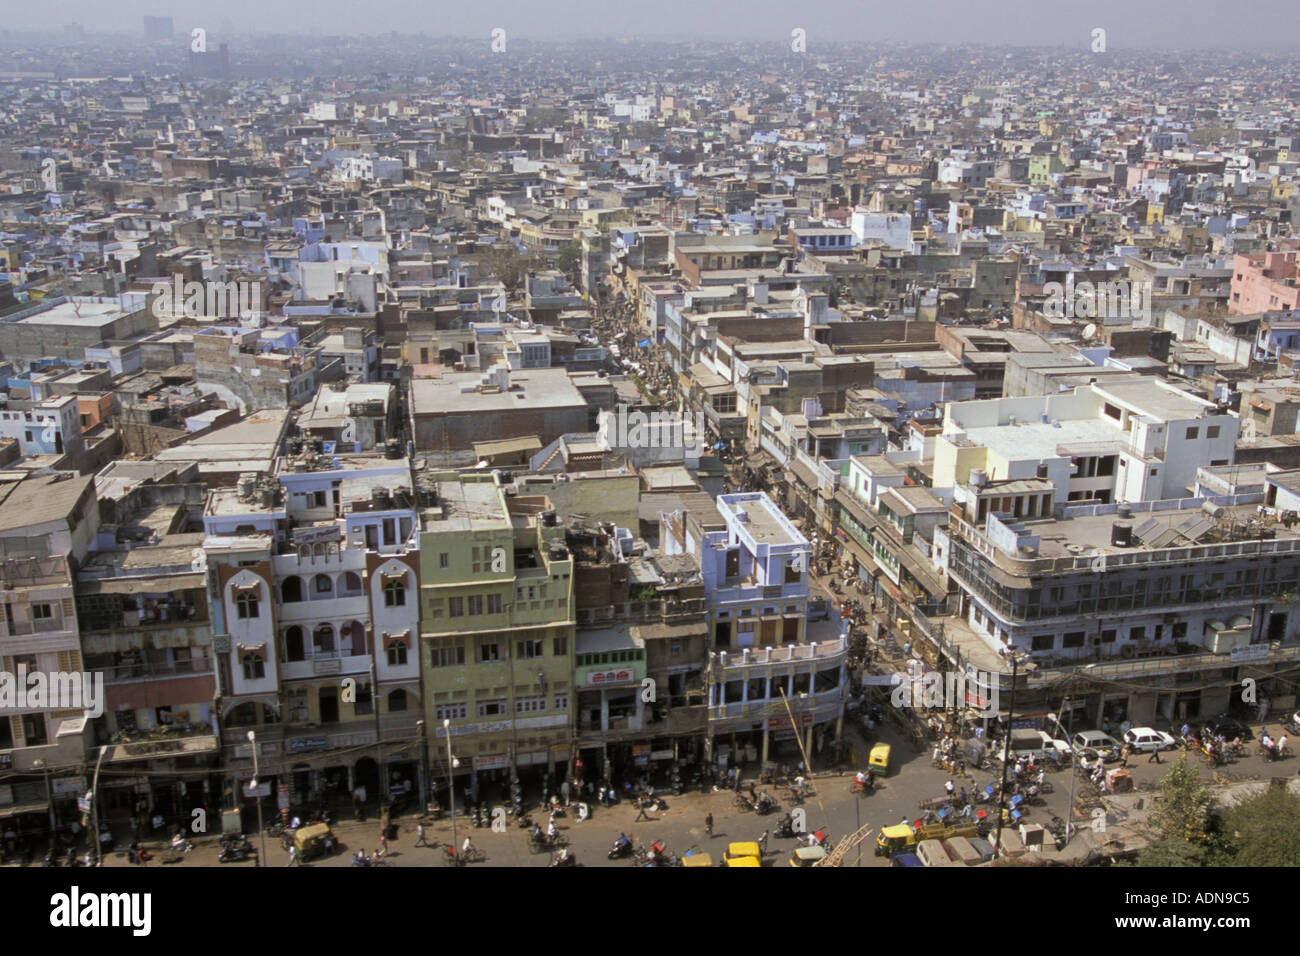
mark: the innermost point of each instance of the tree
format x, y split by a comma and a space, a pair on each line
1179, 824
1261, 831
508, 265
570, 254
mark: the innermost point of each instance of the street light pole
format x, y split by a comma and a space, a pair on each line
94, 806
252, 739
1006, 746
1074, 776
424, 765
451, 782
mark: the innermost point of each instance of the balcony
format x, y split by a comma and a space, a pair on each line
45, 625
144, 670
823, 651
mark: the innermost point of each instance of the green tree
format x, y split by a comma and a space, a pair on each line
509, 265
1261, 831
568, 258
1179, 826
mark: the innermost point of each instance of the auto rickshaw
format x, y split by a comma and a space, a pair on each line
738, 853
807, 855
895, 839
879, 760
697, 860
314, 841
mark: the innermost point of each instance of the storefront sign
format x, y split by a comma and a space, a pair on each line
783, 723
1251, 652
624, 676
282, 797
497, 762
66, 785
641, 756
301, 745
261, 790
316, 535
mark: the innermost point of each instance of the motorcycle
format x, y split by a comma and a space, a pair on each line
564, 858
621, 849
234, 853
785, 829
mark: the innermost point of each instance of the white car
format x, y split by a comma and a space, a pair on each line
1146, 740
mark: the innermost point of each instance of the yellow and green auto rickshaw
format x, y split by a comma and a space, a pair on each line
739, 853
697, 859
314, 841
879, 760
895, 839
807, 855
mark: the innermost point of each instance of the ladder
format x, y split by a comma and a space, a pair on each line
836, 856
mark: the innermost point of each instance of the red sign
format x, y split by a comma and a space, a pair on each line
783, 723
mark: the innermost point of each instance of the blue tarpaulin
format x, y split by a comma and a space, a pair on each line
643, 344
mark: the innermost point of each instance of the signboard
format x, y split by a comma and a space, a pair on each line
67, 785
1250, 652
331, 665
282, 797
623, 676
641, 756
261, 790
83, 804
316, 535
496, 762
301, 745
783, 723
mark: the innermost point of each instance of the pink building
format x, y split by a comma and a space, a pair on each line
1264, 283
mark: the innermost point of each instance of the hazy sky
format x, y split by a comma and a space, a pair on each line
1270, 24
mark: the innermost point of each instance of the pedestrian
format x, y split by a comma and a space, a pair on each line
708, 824
564, 792
419, 835
293, 856
383, 843
949, 787
762, 844
641, 814
1154, 758
1124, 753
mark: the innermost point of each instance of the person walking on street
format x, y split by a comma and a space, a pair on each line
708, 824
419, 835
762, 844
293, 856
641, 814
383, 844
1154, 758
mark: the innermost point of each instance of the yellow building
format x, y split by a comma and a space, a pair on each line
496, 630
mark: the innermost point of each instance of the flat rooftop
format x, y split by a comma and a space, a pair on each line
1025, 441
467, 506
530, 389
78, 314
764, 521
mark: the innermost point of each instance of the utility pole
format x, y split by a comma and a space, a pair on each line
94, 805
1006, 746
451, 782
252, 739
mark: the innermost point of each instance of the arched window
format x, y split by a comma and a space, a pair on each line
246, 604
323, 639
291, 590
322, 585
394, 594
396, 701
351, 583
293, 646
254, 667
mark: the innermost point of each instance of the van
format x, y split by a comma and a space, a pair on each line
1094, 743
1034, 743
933, 853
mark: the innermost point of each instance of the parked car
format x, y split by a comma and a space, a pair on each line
1034, 743
1094, 743
1146, 740
1230, 727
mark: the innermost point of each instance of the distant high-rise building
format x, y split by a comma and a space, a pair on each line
158, 28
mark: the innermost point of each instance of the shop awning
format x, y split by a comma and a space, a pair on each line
18, 809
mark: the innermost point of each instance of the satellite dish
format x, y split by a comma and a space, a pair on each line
1090, 331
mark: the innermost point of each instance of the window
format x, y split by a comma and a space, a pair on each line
560, 646
1044, 642
561, 701
316, 499
396, 655
1073, 639
450, 656
491, 708
254, 667
246, 605
322, 584
527, 650
1134, 634
34, 730
1193, 432
397, 701
494, 603
451, 711
1212, 431
394, 594
365, 703
530, 705
1108, 636
476, 604
444, 560
456, 607
489, 651
42, 612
